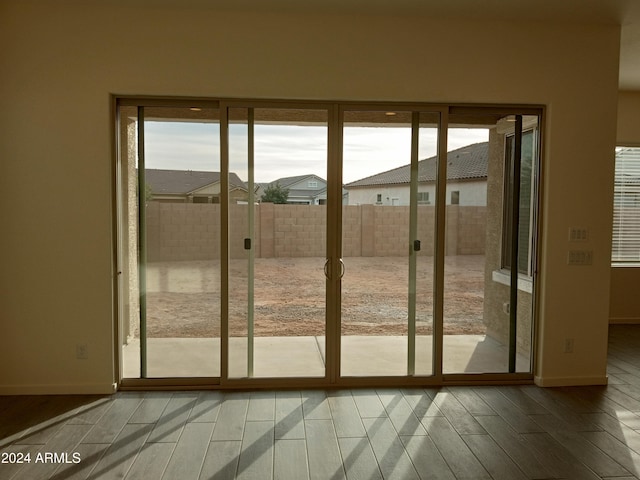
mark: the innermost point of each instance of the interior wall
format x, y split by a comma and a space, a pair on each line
62, 60
625, 302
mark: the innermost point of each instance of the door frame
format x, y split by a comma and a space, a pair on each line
332, 376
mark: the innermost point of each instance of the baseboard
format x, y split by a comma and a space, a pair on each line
75, 389
624, 320
569, 381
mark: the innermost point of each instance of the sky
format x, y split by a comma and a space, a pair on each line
288, 150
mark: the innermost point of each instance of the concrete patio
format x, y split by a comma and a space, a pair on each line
304, 356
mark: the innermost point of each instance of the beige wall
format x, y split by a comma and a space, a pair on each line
625, 302
60, 62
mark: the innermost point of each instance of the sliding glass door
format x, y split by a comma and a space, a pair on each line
389, 167
336, 244
171, 188
277, 250
489, 239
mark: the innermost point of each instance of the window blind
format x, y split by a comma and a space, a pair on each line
626, 206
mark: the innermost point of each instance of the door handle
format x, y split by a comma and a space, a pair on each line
327, 266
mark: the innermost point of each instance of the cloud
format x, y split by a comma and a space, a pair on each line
288, 150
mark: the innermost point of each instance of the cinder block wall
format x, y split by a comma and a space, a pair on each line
190, 231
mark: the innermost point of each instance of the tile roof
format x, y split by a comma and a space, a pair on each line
182, 182
465, 163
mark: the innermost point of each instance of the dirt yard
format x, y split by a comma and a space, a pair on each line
183, 298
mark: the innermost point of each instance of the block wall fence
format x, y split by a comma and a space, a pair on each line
187, 231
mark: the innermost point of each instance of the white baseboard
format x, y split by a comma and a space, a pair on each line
624, 320
570, 381
75, 389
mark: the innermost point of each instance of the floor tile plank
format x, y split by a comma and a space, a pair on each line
504, 407
391, 456
422, 402
176, 413
426, 458
256, 453
368, 403
122, 453
460, 459
12, 467
558, 460
346, 417
515, 445
231, 418
90, 455
315, 405
207, 407
91, 413
151, 461
151, 408
262, 406
188, 455
64, 442
289, 419
493, 458
359, 460
114, 419
325, 461
525, 403
471, 401
616, 449
580, 448
221, 460
400, 412
457, 414
290, 460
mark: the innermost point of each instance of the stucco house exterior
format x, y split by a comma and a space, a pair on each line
466, 181
189, 186
303, 189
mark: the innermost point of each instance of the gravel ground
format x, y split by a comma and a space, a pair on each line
289, 297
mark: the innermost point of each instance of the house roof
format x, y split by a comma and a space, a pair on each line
466, 163
287, 181
182, 182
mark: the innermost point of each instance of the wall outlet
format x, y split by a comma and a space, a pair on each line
82, 351
580, 257
578, 234
568, 345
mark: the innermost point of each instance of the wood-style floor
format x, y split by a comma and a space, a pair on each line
512, 432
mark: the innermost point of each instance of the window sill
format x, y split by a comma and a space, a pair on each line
525, 282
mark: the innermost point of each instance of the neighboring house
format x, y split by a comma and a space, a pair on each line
188, 186
466, 181
303, 189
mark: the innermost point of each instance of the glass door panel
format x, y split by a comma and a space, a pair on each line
482, 334
178, 196
387, 243
277, 242
425, 234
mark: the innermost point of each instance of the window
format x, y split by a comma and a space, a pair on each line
626, 206
455, 197
423, 198
526, 197
312, 184
379, 198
